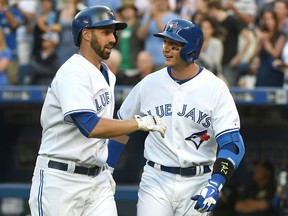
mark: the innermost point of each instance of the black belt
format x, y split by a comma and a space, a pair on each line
91, 171
189, 171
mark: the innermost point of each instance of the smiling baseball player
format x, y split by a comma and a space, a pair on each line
184, 173
70, 176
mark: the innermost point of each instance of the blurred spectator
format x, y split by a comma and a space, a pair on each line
202, 6
145, 66
154, 21
270, 44
28, 9
201, 10
257, 199
188, 8
45, 22
60, 4
5, 59
44, 65
197, 17
25, 35
113, 4
263, 5
211, 43
248, 79
281, 64
144, 5
284, 54
281, 198
10, 19
232, 28
128, 43
172, 5
281, 9
114, 62
245, 10
65, 16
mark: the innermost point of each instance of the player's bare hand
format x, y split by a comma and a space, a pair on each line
151, 123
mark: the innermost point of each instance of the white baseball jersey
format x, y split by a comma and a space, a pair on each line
77, 87
195, 113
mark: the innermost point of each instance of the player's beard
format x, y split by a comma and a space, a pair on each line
100, 51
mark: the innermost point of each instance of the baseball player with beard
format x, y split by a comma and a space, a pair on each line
70, 176
185, 172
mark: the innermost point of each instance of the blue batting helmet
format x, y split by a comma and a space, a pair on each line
185, 32
94, 17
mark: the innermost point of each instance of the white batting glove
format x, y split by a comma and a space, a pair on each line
151, 123
208, 197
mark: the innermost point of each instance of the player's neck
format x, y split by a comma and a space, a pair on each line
185, 72
95, 61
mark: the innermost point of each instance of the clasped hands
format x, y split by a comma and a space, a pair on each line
151, 123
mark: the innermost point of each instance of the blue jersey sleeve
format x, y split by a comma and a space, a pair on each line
85, 121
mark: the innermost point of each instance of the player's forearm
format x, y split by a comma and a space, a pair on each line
107, 128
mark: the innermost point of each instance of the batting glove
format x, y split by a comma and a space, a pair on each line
208, 197
151, 123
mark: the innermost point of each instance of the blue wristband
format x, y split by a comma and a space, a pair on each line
115, 150
218, 178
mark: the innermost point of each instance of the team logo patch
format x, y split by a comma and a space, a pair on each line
172, 26
198, 138
111, 14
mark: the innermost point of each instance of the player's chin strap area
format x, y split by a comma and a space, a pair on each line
44, 162
187, 171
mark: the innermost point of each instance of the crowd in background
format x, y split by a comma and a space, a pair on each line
245, 41
245, 44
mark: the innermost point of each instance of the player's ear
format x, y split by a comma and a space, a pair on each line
86, 34
116, 38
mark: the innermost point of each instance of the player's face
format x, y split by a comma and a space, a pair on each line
102, 41
171, 51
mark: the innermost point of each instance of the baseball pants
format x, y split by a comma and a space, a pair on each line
56, 192
163, 193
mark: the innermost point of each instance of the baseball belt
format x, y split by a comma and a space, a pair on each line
189, 171
90, 171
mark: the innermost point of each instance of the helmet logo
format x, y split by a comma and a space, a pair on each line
111, 14
172, 25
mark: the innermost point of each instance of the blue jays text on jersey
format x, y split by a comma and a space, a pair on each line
195, 115
102, 101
